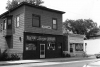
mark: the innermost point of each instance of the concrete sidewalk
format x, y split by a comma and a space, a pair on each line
4, 63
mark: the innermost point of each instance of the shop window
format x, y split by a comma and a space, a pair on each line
59, 45
30, 46
79, 46
51, 46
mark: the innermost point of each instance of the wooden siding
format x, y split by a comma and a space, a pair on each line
46, 20
3, 45
18, 32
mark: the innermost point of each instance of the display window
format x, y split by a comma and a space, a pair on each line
51, 46
30, 46
79, 46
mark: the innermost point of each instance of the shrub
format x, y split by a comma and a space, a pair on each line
14, 57
66, 55
5, 57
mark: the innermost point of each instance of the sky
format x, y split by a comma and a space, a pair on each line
75, 9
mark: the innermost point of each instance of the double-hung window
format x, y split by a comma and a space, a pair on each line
35, 20
54, 23
4, 25
17, 20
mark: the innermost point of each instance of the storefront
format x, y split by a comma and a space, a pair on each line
75, 45
42, 46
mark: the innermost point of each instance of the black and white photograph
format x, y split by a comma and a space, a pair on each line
50, 33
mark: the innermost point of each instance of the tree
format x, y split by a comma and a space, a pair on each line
11, 4
14, 3
38, 2
85, 27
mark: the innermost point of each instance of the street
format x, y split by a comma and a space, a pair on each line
79, 63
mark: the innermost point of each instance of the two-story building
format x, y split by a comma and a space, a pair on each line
32, 31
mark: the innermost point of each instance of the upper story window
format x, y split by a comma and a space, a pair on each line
1, 26
17, 20
9, 23
35, 20
4, 25
54, 23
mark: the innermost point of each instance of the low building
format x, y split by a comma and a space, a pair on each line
32, 31
92, 45
75, 45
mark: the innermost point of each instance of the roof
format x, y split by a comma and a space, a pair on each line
32, 5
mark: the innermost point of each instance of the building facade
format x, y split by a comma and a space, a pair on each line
75, 45
92, 45
32, 32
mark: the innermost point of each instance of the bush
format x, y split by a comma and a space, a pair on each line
66, 55
5, 57
14, 57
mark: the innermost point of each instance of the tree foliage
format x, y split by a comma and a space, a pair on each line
85, 27
11, 4
14, 3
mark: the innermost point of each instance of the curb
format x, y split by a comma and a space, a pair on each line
46, 60
6, 64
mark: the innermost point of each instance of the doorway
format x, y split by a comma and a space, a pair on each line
42, 50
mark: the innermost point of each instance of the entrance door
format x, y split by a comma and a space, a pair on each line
42, 50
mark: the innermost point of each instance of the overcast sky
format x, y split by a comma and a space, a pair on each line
75, 9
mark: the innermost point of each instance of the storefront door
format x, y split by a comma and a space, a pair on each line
42, 50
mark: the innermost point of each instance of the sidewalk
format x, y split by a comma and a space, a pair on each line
4, 63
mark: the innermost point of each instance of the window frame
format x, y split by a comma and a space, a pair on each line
54, 24
1, 27
39, 20
4, 24
9, 26
17, 25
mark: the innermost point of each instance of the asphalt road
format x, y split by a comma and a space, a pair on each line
79, 63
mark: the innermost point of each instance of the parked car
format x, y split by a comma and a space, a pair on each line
93, 64
97, 55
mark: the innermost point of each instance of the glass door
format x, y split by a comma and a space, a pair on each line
42, 50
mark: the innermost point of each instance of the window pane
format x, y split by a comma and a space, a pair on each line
1, 27
9, 24
17, 21
51, 46
54, 24
54, 27
5, 24
9, 21
30, 46
36, 21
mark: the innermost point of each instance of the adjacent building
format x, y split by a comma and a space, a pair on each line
74, 45
92, 45
32, 31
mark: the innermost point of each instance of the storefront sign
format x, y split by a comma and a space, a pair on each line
39, 38
47, 27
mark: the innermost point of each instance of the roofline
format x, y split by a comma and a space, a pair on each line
32, 5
